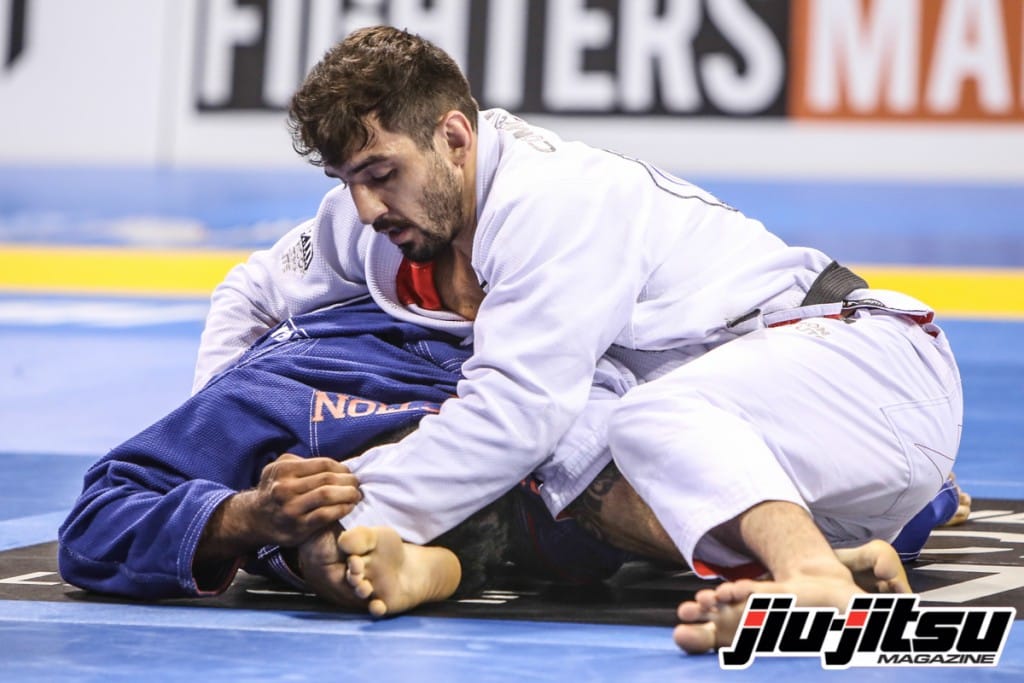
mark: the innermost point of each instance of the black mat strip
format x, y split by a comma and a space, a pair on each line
989, 547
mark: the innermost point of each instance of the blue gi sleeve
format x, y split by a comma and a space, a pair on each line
324, 384
135, 528
150, 554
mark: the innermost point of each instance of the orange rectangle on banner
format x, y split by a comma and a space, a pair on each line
907, 59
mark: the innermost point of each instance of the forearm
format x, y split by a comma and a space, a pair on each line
462, 452
231, 536
230, 533
125, 539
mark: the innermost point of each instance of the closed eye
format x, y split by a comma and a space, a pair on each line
378, 179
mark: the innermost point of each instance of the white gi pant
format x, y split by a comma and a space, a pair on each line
857, 421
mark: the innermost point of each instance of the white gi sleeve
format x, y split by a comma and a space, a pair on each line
583, 451
564, 267
318, 263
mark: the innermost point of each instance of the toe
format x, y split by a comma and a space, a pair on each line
356, 568
363, 589
695, 638
707, 598
378, 608
691, 611
358, 541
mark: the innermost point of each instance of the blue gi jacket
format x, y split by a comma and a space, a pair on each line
304, 388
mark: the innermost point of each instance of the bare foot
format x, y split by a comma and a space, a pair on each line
876, 567
396, 576
711, 618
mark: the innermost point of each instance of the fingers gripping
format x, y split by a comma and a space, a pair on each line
298, 496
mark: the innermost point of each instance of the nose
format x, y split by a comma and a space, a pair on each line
368, 204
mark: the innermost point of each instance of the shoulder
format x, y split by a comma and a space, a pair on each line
563, 180
542, 203
528, 160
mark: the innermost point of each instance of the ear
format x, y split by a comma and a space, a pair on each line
457, 132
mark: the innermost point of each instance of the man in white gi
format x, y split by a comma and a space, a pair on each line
774, 383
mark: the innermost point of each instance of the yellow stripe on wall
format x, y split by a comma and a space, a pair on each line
966, 292
958, 292
88, 270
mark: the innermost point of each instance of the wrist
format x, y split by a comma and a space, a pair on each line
230, 532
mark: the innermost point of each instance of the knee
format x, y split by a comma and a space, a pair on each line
644, 419
626, 422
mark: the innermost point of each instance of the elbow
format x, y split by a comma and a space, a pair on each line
85, 573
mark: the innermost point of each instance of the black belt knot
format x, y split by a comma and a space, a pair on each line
833, 284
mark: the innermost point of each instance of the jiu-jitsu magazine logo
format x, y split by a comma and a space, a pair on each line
875, 631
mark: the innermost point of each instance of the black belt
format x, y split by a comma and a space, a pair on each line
833, 284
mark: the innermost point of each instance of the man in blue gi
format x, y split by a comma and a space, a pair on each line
247, 470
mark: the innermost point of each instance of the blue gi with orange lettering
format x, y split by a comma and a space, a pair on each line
328, 383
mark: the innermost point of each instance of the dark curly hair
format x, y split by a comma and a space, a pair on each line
405, 82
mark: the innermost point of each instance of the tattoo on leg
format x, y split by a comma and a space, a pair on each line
586, 509
611, 511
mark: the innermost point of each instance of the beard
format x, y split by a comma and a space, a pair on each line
442, 205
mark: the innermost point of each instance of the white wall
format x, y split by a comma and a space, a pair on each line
87, 86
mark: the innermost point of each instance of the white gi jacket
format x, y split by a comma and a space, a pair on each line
578, 249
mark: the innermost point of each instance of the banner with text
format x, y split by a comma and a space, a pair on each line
744, 86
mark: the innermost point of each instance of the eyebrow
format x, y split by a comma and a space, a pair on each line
367, 162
